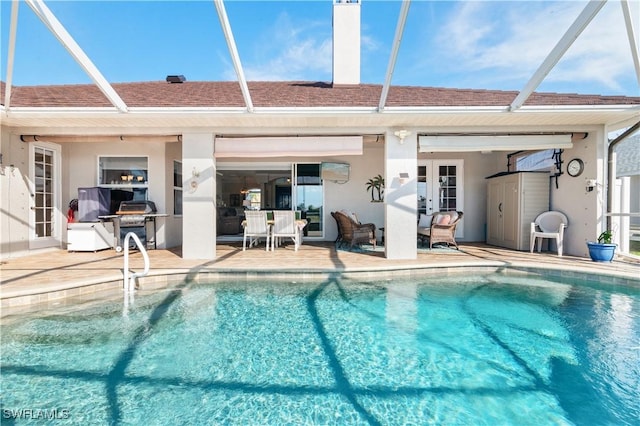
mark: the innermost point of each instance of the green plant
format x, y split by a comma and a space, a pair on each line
605, 237
376, 186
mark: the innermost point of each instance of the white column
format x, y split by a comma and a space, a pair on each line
400, 196
198, 197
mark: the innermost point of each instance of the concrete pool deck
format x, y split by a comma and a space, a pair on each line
58, 274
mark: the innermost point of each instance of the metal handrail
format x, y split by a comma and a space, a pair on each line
128, 277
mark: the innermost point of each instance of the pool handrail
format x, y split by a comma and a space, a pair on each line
128, 288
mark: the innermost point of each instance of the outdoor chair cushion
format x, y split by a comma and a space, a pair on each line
442, 228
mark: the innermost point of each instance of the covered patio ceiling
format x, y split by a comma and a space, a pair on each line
273, 120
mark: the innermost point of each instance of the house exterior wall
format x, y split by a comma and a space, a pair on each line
585, 209
80, 161
79, 168
353, 195
14, 195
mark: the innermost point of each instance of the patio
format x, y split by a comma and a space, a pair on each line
58, 275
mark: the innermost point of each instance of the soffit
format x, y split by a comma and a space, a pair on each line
328, 122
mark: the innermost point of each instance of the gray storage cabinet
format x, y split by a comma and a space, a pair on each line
513, 202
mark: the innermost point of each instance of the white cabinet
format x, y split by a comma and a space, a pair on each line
88, 236
513, 202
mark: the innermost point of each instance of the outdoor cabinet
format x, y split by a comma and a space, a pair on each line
89, 236
513, 202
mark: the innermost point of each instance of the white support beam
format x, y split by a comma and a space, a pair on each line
632, 37
588, 13
233, 51
12, 49
397, 40
57, 29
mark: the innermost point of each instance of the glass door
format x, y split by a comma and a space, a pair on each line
310, 197
270, 186
45, 219
440, 187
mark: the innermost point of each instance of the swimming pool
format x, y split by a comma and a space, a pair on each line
488, 349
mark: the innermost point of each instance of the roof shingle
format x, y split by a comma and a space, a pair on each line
286, 94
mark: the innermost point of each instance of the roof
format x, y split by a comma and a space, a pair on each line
628, 157
282, 107
305, 94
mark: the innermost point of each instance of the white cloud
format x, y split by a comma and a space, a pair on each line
291, 51
509, 41
601, 54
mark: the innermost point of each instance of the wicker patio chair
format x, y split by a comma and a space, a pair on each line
352, 231
442, 228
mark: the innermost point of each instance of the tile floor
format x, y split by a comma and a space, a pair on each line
59, 274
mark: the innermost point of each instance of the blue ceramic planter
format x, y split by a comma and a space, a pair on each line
601, 252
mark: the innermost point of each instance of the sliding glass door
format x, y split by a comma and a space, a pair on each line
310, 197
271, 186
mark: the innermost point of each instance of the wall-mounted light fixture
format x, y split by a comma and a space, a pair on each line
404, 177
590, 184
402, 134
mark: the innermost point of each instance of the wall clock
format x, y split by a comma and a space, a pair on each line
575, 167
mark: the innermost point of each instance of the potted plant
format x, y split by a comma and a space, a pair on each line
376, 186
603, 250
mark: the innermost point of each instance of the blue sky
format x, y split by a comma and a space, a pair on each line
471, 44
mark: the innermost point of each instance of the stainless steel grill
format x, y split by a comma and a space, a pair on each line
132, 216
133, 213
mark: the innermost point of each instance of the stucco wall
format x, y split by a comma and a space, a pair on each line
584, 209
353, 195
14, 195
79, 168
80, 161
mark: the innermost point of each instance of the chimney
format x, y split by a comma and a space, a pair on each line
346, 42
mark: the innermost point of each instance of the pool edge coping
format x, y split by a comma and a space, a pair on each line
163, 278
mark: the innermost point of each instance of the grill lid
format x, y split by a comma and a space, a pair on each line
137, 207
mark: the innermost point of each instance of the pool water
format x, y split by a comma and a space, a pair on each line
483, 350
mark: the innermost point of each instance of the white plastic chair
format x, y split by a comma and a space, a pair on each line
549, 224
284, 225
255, 227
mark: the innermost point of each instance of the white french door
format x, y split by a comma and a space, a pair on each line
441, 188
45, 213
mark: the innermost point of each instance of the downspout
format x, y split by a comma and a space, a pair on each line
611, 167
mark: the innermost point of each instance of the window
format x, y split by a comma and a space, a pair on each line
125, 173
529, 161
177, 188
